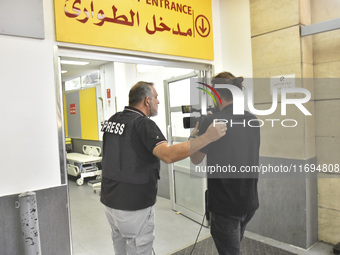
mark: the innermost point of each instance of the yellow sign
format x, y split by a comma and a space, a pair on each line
180, 27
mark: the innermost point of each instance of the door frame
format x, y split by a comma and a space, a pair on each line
95, 53
202, 75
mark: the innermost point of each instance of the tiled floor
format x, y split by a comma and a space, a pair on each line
92, 236
91, 233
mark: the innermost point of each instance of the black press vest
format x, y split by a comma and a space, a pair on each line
125, 157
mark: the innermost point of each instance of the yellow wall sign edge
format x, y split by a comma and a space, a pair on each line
179, 28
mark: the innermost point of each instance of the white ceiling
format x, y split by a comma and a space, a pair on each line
74, 71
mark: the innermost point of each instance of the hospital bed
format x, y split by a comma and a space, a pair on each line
86, 164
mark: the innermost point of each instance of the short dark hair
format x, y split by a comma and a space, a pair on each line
139, 91
227, 78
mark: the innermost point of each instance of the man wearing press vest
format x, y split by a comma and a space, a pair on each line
133, 146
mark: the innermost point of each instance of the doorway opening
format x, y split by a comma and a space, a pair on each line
93, 88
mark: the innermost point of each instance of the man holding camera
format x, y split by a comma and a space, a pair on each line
232, 196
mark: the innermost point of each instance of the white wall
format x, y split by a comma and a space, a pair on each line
28, 131
232, 37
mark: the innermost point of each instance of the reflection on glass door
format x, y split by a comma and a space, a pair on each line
186, 191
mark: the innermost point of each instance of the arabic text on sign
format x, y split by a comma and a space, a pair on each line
83, 15
163, 27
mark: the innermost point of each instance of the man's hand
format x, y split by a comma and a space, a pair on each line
215, 131
173, 153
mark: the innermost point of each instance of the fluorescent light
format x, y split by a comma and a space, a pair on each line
73, 62
147, 68
64, 71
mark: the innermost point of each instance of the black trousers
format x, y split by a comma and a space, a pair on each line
227, 232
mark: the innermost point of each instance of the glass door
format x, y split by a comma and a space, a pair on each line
187, 192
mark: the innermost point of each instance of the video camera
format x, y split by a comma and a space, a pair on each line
190, 122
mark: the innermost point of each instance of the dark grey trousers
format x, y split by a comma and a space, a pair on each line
227, 232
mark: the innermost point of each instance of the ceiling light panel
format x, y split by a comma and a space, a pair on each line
73, 62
